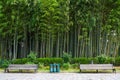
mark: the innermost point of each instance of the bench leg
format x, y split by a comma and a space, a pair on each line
20, 70
5, 70
80, 70
8, 70
97, 70
114, 70
35, 70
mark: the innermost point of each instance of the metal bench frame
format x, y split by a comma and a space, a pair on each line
21, 67
97, 67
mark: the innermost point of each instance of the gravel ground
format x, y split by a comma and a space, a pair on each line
59, 76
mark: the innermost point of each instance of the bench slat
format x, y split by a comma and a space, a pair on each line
96, 66
22, 67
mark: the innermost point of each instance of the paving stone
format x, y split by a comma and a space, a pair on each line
59, 76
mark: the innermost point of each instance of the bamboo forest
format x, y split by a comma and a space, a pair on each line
49, 28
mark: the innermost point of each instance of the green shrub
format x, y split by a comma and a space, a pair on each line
17, 61
102, 58
1, 62
117, 61
32, 57
20, 61
81, 60
25, 60
92, 60
4, 63
109, 60
41, 65
66, 57
30, 63
95, 60
75, 66
45, 61
48, 61
66, 66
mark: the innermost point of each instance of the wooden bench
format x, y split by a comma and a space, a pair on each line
97, 67
21, 67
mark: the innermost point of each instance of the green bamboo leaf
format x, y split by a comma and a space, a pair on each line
0, 6
13, 17
1, 15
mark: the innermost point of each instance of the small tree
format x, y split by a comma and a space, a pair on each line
32, 57
66, 57
102, 58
